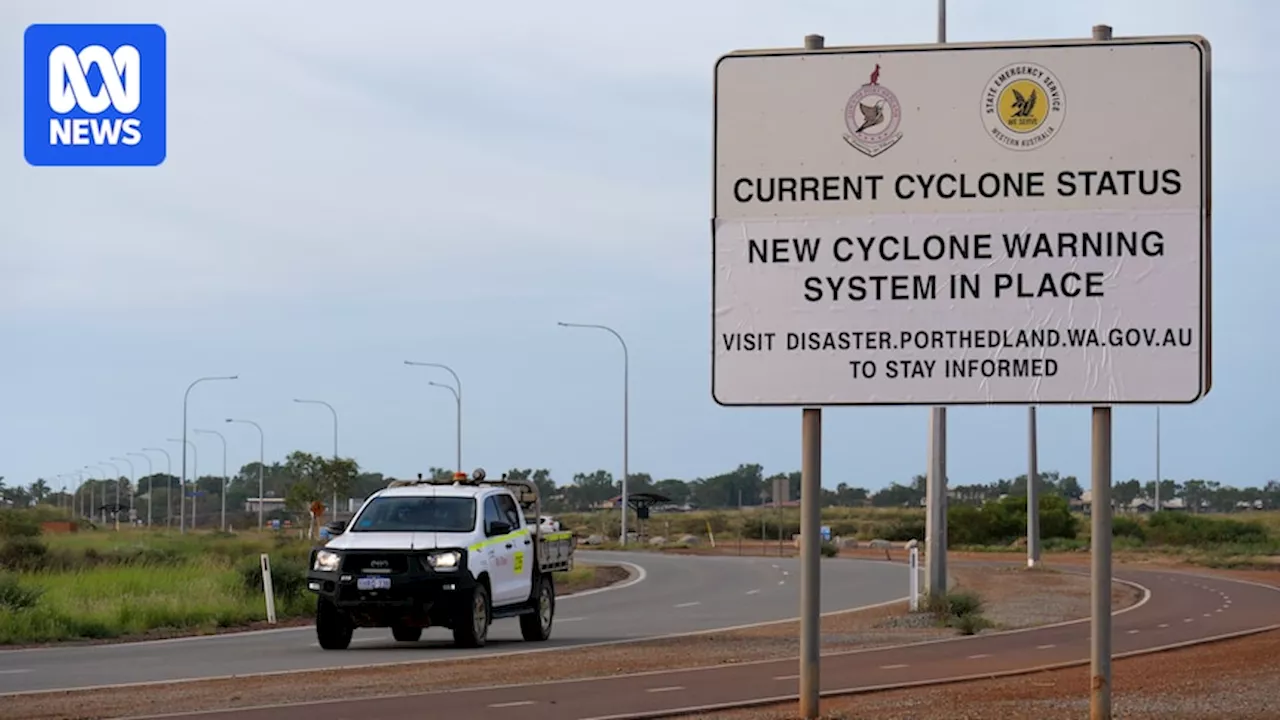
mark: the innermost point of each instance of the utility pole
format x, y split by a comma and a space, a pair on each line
151, 481
183, 482
333, 512
1033, 491
458, 383
168, 493
262, 463
936, 482
457, 399
626, 412
223, 493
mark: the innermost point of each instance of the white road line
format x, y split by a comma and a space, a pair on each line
787, 677
782, 582
1186, 620
689, 604
672, 688
752, 592
518, 703
775, 566
1218, 610
1208, 614
784, 572
573, 619
1133, 632
1164, 625
13, 672
892, 667
1045, 647
979, 656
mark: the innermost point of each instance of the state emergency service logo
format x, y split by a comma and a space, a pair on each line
1023, 106
872, 115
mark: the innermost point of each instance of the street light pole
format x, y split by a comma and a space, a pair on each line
151, 481
333, 512
458, 381
133, 492
458, 404
104, 491
626, 411
115, 515
262, 462
182, 486
223, 493
168, 493
185, 397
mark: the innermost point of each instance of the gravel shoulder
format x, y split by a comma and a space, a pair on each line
1229, 680
1013, 598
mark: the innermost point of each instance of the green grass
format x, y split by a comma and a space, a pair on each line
104, 584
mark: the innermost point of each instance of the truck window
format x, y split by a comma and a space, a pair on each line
491, 512
417, 514
509, 510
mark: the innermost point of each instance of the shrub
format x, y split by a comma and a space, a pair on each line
288, 578
17, 523
15, 597
23, 554
829, 549
1123, 527
1176, 528
1000, 522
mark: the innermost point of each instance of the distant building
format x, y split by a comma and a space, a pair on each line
270, 504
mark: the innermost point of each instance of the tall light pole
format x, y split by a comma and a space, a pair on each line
626, 411
223, 492
185, 397
168, 493
333, 512
458, 381
151, 481
133, 492
182, 484
262, 462
104, 492
1158, 461
457, 398
118, 475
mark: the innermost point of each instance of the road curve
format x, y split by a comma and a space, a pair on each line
676, 595
1181, 608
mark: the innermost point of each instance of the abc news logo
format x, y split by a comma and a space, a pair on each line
69, 89
94, 94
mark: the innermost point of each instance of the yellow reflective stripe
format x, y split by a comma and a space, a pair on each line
559, 536
500, 538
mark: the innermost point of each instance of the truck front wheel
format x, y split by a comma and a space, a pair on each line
536, 626
333, 629
472, 626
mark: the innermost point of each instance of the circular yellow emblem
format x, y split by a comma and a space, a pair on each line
1023, 106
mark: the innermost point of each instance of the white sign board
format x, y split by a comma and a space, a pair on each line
961, 224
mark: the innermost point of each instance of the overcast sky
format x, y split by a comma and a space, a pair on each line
349, 188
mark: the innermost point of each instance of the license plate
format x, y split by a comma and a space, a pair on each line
373, 583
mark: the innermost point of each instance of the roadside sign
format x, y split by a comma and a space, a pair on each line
985, 223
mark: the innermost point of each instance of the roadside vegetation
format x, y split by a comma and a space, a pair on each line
100, 584
1243, 539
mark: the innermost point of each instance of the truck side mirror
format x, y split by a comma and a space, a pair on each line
337, 527
498, 527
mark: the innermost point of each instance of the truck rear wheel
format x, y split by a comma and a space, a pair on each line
472, 626
536, 626
333, 629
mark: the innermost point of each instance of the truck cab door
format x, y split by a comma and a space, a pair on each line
499, 551
520, 547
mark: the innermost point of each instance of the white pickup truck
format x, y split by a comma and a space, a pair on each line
456, 553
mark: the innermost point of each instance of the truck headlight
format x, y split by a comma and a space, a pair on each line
447, 560
326, 561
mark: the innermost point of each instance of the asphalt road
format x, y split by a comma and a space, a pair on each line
676, 595
1182, 608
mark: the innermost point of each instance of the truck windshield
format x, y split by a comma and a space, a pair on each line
417, 514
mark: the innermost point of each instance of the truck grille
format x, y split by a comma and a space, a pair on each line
376, 564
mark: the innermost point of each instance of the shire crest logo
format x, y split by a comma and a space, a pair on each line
872, 115
94, 95
1023, 106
